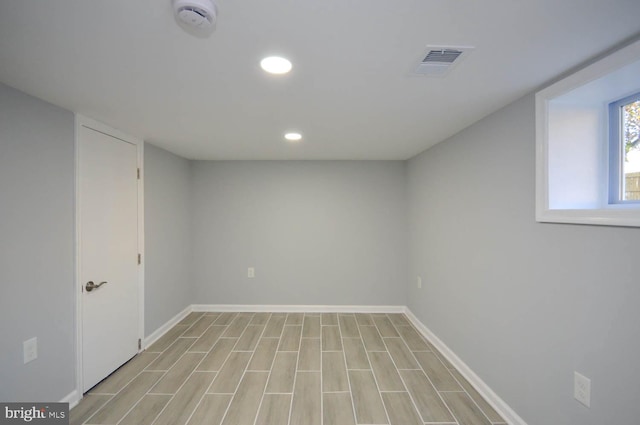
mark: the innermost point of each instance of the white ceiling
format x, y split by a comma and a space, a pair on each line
127, 63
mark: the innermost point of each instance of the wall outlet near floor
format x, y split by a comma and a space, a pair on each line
30, 350
582, 389
419, 282
251, 272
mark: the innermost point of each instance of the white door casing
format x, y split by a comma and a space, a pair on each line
109, 241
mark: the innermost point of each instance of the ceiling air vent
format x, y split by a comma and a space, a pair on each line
440, 60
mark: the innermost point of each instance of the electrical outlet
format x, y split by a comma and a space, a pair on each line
251, 272
419, 282
582, 389
30, 350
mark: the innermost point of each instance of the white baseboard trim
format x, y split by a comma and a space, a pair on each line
157, 334
491, 397
71, 398
299, 308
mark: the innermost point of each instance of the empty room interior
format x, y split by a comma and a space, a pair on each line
321, 212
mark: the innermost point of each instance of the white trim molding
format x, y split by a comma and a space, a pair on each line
299, 308
72, 398
500, 406
157, 334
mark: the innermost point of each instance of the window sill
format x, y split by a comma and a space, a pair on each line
618, 215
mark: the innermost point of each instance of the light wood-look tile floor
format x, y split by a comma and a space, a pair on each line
287, 369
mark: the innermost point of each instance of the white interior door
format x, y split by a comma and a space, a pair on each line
108, 214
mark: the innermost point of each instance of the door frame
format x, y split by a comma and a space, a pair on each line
82, 121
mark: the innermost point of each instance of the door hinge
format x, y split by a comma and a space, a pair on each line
139, 258
139, 344
138, 174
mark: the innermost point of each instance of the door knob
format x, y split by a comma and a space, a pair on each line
91, 286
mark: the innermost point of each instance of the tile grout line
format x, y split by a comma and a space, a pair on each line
375, 379
127, 382
205, 330
297, 370
195, 408
295, 375
233, 395
415, 406
462, 386
438, 422
255, 420
195, 369
221, 366
113, 395
321, 379
471, 398
437, 354
165, 372
424, 373
321, 368
344, 357
100, 408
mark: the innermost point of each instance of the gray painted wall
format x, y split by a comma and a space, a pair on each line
524, 304
36, 247
317, 232
167, 188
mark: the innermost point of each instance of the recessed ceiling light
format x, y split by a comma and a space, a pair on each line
276, 65
293, 137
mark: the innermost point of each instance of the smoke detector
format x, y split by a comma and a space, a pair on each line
199, 14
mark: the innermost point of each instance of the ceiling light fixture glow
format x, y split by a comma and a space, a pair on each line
293, 137
276, 65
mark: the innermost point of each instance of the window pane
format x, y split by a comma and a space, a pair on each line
631, 162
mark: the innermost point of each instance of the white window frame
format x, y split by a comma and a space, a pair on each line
597, 210
616, 149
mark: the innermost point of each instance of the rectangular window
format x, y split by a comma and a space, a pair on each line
587, 149
624, 150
